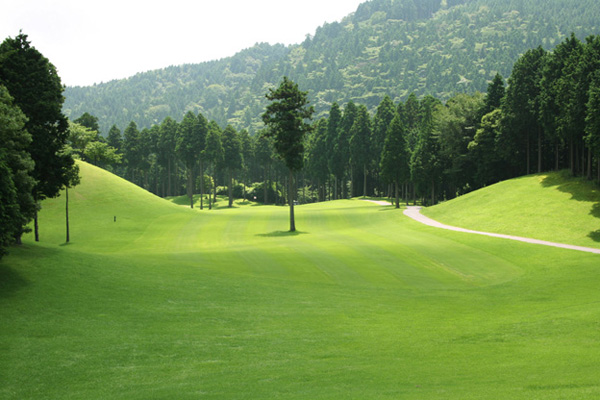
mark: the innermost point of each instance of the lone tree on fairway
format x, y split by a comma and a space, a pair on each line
285, 117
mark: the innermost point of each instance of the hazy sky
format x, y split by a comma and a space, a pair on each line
97, 41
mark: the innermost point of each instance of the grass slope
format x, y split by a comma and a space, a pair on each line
551, 206
169, 302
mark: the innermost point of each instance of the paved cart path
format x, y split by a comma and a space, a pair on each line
414, 212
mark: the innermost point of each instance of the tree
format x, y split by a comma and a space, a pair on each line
343, 142
213, 152
232, 156
131, 149
395, 157
89, 121
335, 161
386, 111
264, 156
488, 165
190, 142
360, 138
495, 94
521, 112
114, 139
285, 117
425, 168
17, 206
167, 143
317, 155
73, 180
592, 128
37, 90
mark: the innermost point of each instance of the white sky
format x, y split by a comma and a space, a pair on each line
97, 41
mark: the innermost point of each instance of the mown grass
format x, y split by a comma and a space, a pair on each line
169, 302
551, 206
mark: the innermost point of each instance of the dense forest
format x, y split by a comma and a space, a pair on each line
545, 117
387, 47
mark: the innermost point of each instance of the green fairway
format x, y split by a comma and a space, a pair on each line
361, 303
551, 206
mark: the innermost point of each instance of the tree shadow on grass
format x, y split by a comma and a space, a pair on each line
10, 281
580, 189
281, 234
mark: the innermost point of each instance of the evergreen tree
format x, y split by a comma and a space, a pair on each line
317, 155
592, 128
37, 90
386, 112
264, 156
89, 121
495, 94
17, 206
360, 149
114, 138
167, 144
232, 156
132, 150
335, 160
190, 143
395, 157
343, 142
213, 153
285, 117
520, 111
425, 165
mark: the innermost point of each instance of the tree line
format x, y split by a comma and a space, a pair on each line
34, 163
544, 117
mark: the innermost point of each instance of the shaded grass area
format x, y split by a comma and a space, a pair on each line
364, 304
551, 206
220, 203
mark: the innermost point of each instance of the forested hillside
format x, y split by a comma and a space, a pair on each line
387, 47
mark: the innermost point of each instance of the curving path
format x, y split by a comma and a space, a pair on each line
414, 212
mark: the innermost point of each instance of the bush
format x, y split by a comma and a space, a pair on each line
257, 193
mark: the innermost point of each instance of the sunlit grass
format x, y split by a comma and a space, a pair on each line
551, 206
361, 303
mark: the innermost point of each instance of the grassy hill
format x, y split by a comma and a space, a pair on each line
169, 302
550, 206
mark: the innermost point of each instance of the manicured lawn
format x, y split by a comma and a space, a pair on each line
551, 206
361, 303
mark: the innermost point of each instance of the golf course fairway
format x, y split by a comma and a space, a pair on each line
153, 300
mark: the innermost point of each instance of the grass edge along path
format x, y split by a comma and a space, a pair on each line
414, 212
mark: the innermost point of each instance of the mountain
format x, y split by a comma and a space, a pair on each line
394, 47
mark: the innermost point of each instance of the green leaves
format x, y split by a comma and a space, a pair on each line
285, 119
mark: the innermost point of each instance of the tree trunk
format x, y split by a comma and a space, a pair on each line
556, 157
67, 212
291, 201
397, 194
432, 192
215, 188
364, 180
539, 150
201, 184
190, 186
230, 186
572, 157
528, 155
36, 227
351, 181
589, 165
335, 188
169, 186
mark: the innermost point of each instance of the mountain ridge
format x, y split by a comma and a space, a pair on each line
384, 48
